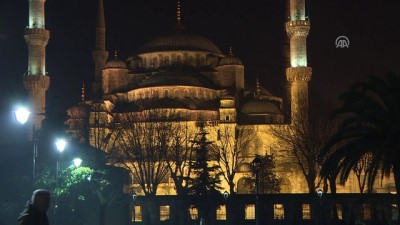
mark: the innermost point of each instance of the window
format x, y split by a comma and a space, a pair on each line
249, 212
165, 93
306, 208
221, 212
395, 212
339, 211
366, 211
164, 212
137, 214
279, 212
194, 212
227, 118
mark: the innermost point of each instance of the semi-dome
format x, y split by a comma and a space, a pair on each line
261, 106
115, 63
180, 41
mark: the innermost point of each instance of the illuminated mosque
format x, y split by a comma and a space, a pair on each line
188, 73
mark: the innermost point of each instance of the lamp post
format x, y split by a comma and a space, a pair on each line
320, 194
22, 116
256, 163
60, 145
134, 197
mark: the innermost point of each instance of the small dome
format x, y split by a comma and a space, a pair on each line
261, 106
115, 63
230, 59
80, 111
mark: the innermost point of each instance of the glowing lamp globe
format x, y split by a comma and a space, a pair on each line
22, 115
60, 144
77, 162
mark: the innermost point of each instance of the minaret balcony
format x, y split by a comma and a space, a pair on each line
298, 27
37, 36
295, 74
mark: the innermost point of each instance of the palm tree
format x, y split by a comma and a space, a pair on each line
370, 125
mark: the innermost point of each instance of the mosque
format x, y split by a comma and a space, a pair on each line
189, 74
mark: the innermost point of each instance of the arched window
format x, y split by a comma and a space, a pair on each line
166, 95
154, 63
191, 60
186, 93
176, 93
166, 61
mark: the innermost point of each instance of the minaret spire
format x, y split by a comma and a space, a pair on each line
83, 92
257, 93
298, 74
36, 80
178, 12
179, 27
100, 54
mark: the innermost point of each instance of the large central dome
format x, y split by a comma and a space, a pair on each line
180, 41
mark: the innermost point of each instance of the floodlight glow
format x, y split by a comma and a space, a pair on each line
77, 162
22, 115
61, 143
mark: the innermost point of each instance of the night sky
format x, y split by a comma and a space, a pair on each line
253, 28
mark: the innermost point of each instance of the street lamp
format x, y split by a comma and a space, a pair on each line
22, 115
134, 197
256, 163
60, 145
77, 162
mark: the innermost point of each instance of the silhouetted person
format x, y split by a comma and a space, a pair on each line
36, 208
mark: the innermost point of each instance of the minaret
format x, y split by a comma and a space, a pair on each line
36, 80
100, 54
298, 74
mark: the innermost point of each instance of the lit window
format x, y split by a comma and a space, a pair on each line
306, 211
339, 211
395, 212
279, 212
366, 211
137, 214
194, 212
221, 212
164, 212
249, 212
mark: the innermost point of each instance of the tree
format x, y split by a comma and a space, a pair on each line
142, 147
361, 170
180, 156
268, 182
79, 190
304, 138
232, 143
206, 179
370, 125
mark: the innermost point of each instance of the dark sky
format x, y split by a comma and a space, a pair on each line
253, 28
